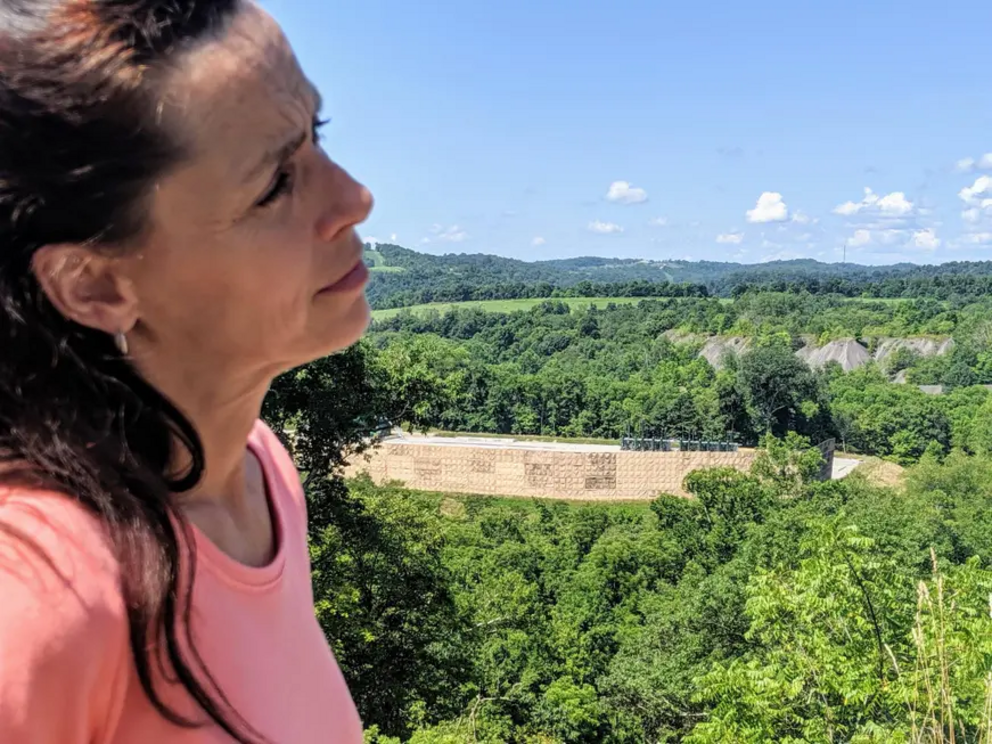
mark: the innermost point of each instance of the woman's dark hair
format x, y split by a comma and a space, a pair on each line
80, 149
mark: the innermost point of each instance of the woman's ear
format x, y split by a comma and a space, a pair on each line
86, 287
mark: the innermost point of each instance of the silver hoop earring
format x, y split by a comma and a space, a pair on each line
120, 341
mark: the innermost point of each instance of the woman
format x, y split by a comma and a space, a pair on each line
172, 237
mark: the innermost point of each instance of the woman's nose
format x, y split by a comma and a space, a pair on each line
349, 204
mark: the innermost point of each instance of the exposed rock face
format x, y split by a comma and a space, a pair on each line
925, 347
902, 377
847, 352
716, 346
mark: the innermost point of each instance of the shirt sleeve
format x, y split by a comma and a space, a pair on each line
63, 626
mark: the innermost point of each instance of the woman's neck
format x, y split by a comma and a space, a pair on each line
230, 505
224, 432
223, 409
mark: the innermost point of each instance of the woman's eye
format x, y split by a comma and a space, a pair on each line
282, 185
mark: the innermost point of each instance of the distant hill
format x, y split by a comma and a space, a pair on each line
405, 277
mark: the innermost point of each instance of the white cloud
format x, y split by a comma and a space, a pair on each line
770, 208
860, 237
733, 238
895, 203
658, 222
801, 218
891, 205
624, 193
970, 194
978, 199
393, 238
926, 239
538, 241
604, 228
965, 165
978, 238
923, 238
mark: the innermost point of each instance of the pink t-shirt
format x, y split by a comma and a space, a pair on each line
66, 671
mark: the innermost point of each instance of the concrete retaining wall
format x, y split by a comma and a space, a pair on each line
556, 474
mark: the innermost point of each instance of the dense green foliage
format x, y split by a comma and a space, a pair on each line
403, 277
593, 372
767, 607
540, 291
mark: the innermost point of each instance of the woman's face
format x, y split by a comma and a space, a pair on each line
251, 263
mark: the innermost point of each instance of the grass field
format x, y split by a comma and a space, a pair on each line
508, 306
376, 262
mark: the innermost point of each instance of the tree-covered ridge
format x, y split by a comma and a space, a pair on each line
637, 369
404, 277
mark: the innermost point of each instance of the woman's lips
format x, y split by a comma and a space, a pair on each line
354, 279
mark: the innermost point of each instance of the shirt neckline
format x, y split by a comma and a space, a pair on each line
227, 568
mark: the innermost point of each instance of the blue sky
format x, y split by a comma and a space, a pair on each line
716, 130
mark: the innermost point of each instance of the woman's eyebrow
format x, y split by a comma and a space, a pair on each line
276, 156
286, 150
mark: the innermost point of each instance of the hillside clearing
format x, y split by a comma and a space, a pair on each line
509, 306
377, 262
881, 472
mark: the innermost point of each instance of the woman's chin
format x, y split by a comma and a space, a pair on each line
345, 329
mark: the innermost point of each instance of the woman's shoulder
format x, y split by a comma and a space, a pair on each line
263, 438
63, 620
278, 464
50, 543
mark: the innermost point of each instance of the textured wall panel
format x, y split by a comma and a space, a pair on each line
560, 474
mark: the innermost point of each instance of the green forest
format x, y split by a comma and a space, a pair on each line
402, 277
606, 372
769, 606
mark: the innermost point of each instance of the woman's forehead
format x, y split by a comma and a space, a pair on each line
240, 94
231, 102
